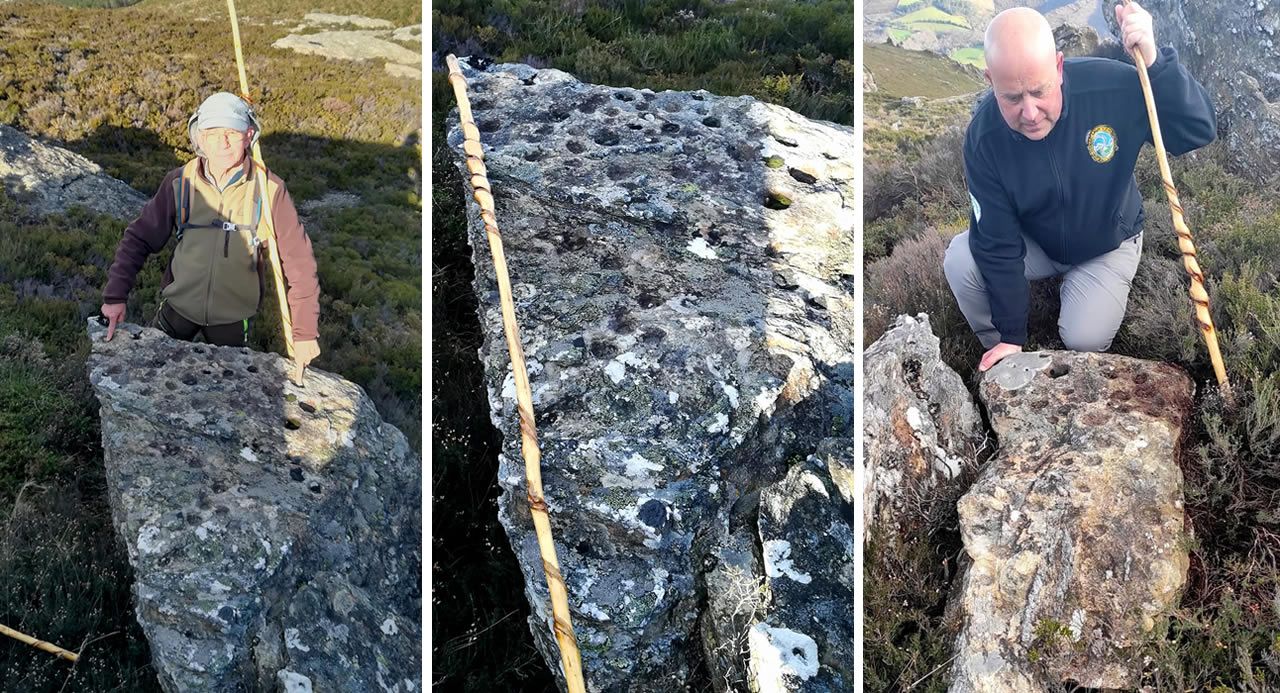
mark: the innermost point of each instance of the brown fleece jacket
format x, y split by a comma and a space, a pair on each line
150, 232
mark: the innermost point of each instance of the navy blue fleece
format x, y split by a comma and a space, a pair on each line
1053, 190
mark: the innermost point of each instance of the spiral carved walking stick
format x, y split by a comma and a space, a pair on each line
39, 644
569, 656
1199, 296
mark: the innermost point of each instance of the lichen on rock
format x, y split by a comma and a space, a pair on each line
273, 530
687, 340
1075, 530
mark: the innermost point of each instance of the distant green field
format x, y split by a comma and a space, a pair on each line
972, 55
902, 4
899, 35
899, 72
929, 17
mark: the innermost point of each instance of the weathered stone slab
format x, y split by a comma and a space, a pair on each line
274, 530
683, 274
1074, 530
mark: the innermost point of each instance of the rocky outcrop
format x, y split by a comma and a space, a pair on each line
683, 267
51, 180
1074, 531
273, 530
921, 431
373, 39
1076, 41
787, 566
1231, 49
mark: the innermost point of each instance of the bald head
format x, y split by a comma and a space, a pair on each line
1024, 70
1018, 34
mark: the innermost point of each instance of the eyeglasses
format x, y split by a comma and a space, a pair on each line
228, 135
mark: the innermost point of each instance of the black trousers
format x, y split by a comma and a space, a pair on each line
178, 327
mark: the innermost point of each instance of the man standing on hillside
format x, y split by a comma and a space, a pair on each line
213, 284
1049, 159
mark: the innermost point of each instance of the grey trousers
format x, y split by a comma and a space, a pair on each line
1094, 293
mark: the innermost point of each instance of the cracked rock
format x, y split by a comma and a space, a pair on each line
1074, 531
273, 530
672, 375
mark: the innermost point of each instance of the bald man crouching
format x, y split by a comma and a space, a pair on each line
1049, 159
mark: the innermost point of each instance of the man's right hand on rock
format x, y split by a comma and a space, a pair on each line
995, 353
114, 313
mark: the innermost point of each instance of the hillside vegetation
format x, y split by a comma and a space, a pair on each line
798, 55
121, 97
1223, 637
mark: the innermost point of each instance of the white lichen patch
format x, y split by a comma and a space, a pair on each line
293, 682
293, 640
616, 371
1077, 624
699, 247
719, 424
777, 562
946, 465
812, 481
149, 540
673, 397
732, 393
247, 454
660, 577
779, 653
913, 419
594, 611
617, 368
389, 626
639, 466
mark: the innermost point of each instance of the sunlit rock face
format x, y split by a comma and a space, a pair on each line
683, 268
1074, 531
921, 432
274, 530
1231, 48
50, 179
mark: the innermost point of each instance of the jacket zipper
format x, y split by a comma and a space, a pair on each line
213, 261
1062, 205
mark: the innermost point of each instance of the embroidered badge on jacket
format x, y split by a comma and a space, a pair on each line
1101, 143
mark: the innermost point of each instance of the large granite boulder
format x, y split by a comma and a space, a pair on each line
683, 274
1074, 531
1231, 49
921, 430
274, 530
50, 179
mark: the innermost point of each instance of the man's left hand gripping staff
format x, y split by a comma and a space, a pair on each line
1136, 28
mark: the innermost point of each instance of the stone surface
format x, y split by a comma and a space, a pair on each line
1231, 49
786, 567
366, 44
51, 179
808, 553
682, 267
1074, 531
273, 530
327, 19
1076, 41
921, 430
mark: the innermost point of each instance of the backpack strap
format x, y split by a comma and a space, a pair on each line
184, 211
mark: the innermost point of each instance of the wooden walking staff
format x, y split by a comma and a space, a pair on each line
569, 657
39, 644
1199, 296
260, 168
